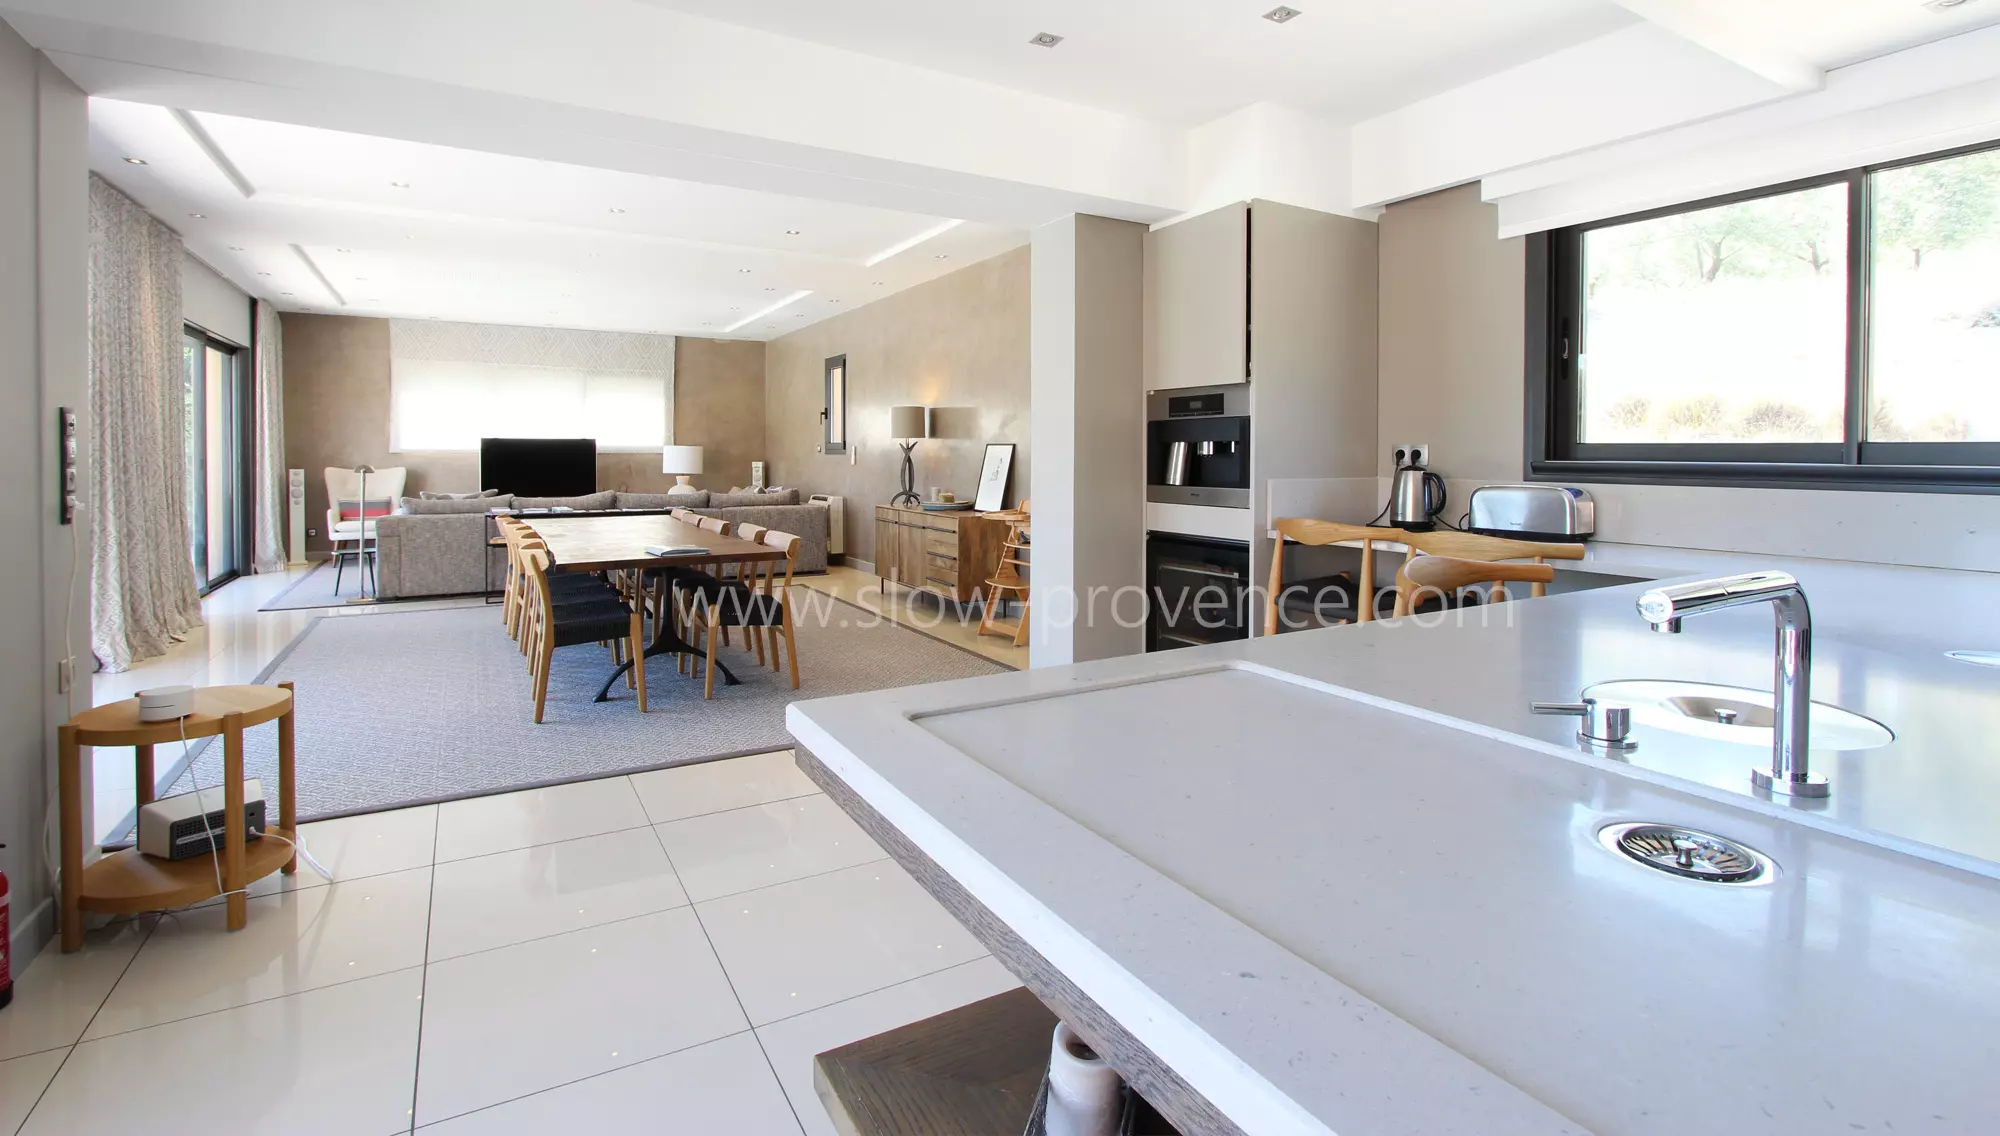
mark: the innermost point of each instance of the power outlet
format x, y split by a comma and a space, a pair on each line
1420, 454
312, 532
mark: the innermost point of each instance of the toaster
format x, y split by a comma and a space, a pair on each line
1533, 512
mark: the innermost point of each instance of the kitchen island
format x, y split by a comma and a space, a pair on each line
1343, 881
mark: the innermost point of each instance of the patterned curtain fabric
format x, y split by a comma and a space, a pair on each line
268, 473
143, 593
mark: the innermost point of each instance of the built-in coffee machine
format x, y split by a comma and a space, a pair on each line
1198, 446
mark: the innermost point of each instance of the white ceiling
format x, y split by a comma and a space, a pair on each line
1188, 61
314, 220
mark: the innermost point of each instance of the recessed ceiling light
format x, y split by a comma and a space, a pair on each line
735, 309
135, 161
877, 283
399, 185
1046, 39
791, 232
199, 216
615, 209
941, 256
770, 289
833, 301
742, 270
1282, 14
358, 279
801, 315
263, 274
288, 293
235, 248
343, 250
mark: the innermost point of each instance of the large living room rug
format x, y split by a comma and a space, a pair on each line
407, 707
315, 589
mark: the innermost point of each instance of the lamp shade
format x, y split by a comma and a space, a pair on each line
680, 459
909, 422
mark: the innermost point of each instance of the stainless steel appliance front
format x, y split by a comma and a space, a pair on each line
1198, 447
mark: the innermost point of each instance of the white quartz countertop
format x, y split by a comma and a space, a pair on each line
1342, 881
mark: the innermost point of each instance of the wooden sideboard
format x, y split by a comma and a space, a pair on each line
950, 554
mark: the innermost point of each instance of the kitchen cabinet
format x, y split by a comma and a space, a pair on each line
949, 554
1197, 301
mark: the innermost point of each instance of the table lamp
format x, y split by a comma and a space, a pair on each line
681, 461
909, 425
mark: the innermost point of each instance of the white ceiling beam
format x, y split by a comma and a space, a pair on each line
629, 86
1716, 26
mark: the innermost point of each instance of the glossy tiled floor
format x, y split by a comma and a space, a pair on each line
656, 953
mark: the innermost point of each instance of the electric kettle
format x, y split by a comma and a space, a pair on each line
1416, 499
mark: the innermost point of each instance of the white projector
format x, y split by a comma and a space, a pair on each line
173, 829
165, 703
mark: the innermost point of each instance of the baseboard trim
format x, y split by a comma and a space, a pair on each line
32, 930
858, 564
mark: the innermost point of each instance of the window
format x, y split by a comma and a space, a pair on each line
835, 414
215, 456
1839, 330
451, 384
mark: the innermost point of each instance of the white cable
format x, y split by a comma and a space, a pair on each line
49, 865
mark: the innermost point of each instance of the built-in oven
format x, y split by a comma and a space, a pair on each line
1197, 591
1198, 446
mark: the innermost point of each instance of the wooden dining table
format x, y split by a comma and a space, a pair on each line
606, 542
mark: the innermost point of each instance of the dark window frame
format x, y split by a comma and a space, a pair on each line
828, 443
1553, 311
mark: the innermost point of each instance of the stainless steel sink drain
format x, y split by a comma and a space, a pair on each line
1689, 853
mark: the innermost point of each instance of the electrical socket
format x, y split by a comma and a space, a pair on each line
1420, 454
312, 532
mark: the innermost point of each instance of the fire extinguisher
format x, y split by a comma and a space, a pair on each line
6, 962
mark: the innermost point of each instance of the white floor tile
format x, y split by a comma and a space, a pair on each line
723, 853
722, 1087
530, 893
505, 1023
23, 1079
507, 821
56, 996
794, 1042
294, 941
337, 1061
357, 847
805, 944
712, 786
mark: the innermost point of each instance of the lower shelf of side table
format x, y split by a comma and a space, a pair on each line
128, 882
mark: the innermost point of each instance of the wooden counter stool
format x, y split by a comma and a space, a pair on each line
128, 882
1009, 579
1360, 606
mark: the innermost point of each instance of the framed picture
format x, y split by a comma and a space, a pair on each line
993, 477
756, 477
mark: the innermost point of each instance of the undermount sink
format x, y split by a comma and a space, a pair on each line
1738, 714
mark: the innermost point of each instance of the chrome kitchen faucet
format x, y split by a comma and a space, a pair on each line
1664, 608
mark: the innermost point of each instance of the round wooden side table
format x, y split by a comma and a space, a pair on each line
129, 882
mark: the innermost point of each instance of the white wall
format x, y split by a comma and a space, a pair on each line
43, 334
212, 303
1087, 400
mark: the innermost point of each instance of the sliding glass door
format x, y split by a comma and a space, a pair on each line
217, 451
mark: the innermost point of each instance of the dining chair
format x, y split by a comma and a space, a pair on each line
716, 525
1360, 605
1479, 546
762, 607
1445, 575
553, 624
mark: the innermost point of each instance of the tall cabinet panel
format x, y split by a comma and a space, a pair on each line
1197, 301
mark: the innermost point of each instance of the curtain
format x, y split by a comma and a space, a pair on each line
451, 384
270, 494
143, 593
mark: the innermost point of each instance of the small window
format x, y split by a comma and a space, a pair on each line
835, 414
1839, 330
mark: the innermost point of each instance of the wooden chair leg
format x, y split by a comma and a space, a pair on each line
791, 648
542, 676
708, 684
639, 655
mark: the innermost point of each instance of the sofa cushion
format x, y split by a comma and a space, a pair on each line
418, 507
695, 500
589, 501
428, 495
760, 500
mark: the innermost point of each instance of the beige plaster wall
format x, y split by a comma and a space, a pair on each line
958, 343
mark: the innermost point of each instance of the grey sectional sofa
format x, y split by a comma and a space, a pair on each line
434, 547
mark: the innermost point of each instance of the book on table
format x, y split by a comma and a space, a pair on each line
674, 550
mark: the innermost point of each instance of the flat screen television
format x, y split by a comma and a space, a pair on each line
539, 467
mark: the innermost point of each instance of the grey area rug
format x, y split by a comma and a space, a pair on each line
410, 707
315, 589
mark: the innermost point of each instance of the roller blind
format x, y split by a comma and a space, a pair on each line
452, 384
